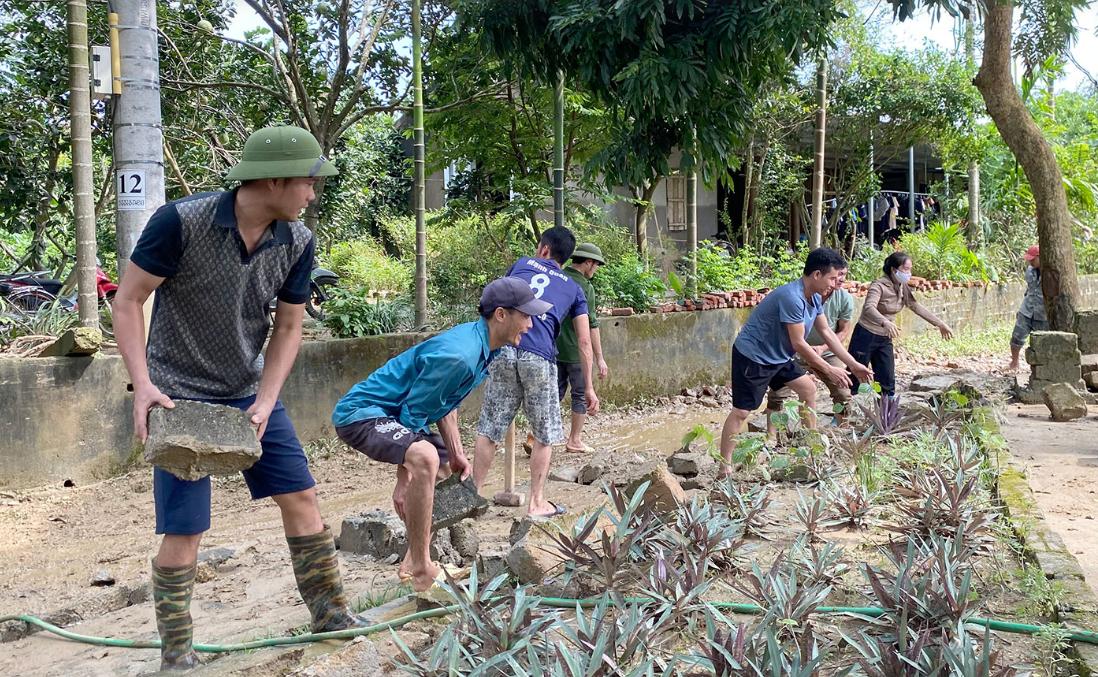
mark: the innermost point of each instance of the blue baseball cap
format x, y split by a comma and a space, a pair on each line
511, 293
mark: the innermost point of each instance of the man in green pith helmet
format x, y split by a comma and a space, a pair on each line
215, 260
586, 260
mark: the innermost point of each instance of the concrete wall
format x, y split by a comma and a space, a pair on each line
70, 418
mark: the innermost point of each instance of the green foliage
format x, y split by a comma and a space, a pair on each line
720, 271
984, 342
351, 313
362, 264
671, 73
940, 253
868, 262
50, 319
628, 282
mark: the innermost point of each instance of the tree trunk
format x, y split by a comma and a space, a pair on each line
815, 238
80, 131
42, 212
745, 211
419, 188
1059, 280
753, 198
975, 228
558, 151
692, 232
640, 220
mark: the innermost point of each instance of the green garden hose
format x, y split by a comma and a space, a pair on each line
1084, 636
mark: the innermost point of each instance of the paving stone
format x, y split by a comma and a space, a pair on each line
1088, 363
456, 500
1049, 343
196, 439
1064, 402
377, 533
1064, 372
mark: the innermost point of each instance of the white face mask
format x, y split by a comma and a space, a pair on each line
902, 278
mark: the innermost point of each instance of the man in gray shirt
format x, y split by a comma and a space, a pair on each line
215, 261
839, 309
1031, 316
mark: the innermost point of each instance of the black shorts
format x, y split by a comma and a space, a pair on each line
386, 440
750, 379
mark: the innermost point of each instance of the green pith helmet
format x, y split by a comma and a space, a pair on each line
587, 250
281, 153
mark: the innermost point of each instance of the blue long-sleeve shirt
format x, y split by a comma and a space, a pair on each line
424, 383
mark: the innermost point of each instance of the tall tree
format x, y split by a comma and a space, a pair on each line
1046, 28
815, 238
80, 133
419, 187
667, 71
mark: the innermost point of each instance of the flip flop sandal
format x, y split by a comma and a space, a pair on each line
559, 510
578, 450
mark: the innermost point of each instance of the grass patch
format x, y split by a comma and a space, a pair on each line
987, 342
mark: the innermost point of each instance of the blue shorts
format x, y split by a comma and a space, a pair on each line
183, 508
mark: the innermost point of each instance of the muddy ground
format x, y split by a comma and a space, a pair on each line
56, 540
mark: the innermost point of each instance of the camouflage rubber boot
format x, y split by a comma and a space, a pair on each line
317, 571
172, 589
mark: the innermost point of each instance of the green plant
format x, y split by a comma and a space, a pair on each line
628, 282
812, 513
823, 564
747, 505
940, 253
362, 264
49, 319
1051, 646
349, 313
851, 505
868, 262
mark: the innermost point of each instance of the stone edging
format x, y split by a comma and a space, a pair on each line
1043, 548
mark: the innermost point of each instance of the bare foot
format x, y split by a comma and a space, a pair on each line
544, 509
1013, 366
423, 579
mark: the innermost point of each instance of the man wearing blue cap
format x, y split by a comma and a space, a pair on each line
388, 416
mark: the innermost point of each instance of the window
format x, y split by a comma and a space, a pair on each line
676, 202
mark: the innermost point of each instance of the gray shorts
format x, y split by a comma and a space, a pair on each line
1023, 325
520, 378
571, 374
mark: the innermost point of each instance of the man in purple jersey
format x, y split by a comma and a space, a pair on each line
527, 375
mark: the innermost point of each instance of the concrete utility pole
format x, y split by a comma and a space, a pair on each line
911, 185
80, 133
692, 230
815, 238
138, 134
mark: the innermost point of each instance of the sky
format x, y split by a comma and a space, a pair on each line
911, 34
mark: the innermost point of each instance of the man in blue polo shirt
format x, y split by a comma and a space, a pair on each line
215, 261
526, 375
388, 416
762, 354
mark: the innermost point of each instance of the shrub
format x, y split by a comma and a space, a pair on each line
627, 281
351, 313
868, 262
361, 263
940, 253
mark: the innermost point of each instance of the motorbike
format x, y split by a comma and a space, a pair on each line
319, 281
27, 292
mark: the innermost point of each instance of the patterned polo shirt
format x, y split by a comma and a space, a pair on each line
210, 318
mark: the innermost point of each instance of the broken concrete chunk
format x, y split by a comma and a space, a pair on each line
1064, 402
1049, 343
377, 533
664, 492
196, 439
75, 343
565, 474
102, 578
456, 500
463, 536
442, 548
690, 464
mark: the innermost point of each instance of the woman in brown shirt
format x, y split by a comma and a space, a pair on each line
871, 343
